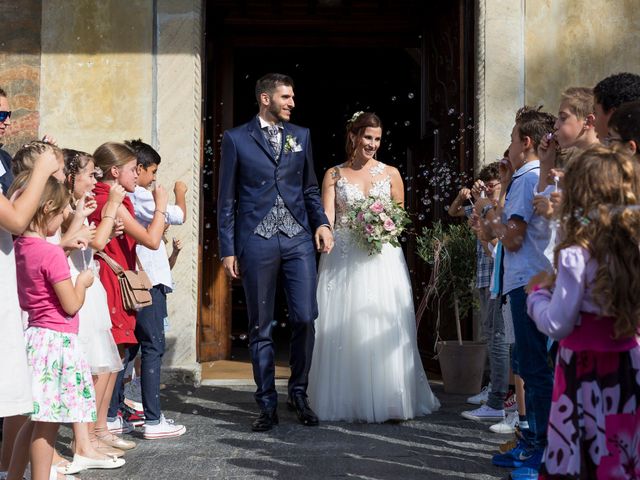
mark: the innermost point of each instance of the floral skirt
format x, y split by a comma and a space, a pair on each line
594, 424
61, 379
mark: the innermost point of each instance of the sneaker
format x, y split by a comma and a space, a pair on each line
508, 425
508, 445
484, 412
510, 404
481, 397
515, 457
524, 473
134, 417
119, 425
164, 429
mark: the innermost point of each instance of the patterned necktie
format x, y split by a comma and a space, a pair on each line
272, 133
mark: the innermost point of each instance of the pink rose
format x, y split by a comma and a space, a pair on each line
389, 226
377, 207
360, 217
368, 228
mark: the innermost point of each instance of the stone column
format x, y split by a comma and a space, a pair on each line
500, 71
178, 115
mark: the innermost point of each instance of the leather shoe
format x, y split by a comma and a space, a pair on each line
266, 421
300, 404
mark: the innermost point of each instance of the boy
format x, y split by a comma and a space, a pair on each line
524, 237
624, 128
609, 94
150, 321
491, 318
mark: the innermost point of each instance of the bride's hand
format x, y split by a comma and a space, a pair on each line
324, 239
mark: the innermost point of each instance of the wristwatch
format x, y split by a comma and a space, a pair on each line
485, 210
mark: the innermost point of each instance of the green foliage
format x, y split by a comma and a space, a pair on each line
450, 250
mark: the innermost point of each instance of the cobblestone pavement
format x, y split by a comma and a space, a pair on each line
220, 445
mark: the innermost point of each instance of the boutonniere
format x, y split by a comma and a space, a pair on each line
291, 144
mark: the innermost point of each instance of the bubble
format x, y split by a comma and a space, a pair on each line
283, 324
207, 225
195, 412
243, 337
393, 99
410, 95
407, 123
274, 323
451, 111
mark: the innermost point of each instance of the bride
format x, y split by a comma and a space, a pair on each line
366, 365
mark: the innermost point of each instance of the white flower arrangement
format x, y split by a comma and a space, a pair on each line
291, 144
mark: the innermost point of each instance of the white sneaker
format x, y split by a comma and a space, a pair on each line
164, 429
484, 413
508, 425
120, 425
481, 397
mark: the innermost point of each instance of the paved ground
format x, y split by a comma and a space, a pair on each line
219, 444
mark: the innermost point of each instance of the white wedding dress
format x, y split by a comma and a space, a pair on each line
366, 366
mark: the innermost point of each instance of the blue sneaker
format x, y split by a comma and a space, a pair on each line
524, 473
515, 457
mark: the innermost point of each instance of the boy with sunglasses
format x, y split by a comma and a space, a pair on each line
6, 177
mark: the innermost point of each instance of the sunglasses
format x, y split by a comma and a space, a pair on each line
4, 115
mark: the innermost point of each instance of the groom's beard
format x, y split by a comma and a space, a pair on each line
276, 111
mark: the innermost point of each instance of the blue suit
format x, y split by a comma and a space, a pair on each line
250, 180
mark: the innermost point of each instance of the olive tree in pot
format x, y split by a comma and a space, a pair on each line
451, 253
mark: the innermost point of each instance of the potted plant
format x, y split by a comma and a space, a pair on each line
451, 253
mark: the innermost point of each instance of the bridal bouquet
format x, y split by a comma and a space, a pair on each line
377, 221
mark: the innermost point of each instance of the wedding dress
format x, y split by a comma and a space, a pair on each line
366, 366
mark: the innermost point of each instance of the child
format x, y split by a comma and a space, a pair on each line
119, 166
594, 313
609, 94
150, 320
94, 335
573, 132
61, 380
624, 128
491, 319
524, 236
15, 379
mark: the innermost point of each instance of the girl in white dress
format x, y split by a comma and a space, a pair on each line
95, 336
366, 366
15, 380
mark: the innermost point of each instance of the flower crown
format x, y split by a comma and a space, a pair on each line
355, 117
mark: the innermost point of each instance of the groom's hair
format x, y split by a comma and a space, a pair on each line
270, 82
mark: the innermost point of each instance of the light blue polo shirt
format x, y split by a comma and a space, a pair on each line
530, 259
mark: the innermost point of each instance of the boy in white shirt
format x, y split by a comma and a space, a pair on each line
150, 321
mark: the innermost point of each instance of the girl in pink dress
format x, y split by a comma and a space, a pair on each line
593, 309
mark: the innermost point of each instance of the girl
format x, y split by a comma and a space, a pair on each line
94, 335
594, 311
15, 380
119, 164
61, 382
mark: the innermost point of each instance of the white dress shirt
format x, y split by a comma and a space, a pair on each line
154, 262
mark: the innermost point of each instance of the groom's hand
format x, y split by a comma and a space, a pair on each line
231, 266
324, 239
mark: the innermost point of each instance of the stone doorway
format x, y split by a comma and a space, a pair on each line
404, 60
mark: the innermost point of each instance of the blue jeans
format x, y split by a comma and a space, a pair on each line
531, 352
150, 335
498, 348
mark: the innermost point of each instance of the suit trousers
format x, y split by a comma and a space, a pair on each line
261, 262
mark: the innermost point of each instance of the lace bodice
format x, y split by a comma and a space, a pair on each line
347, 193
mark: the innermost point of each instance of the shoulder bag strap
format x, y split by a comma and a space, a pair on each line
115, 266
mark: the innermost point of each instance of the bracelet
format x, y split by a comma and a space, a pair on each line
109, 216
164, 214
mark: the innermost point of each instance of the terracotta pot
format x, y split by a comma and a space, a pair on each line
462, 366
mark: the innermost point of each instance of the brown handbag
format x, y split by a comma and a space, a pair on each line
134, 285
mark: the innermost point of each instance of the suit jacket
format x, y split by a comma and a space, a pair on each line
7, 178
250, 180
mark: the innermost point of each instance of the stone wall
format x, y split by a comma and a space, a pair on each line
20, 68
529, 51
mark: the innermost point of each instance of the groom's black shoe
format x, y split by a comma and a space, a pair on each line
300, 404
267, 419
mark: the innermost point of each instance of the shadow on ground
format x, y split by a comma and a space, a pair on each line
219, 444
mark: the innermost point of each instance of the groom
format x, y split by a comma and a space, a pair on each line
269, 217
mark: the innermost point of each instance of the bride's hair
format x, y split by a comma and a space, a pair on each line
356, 127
